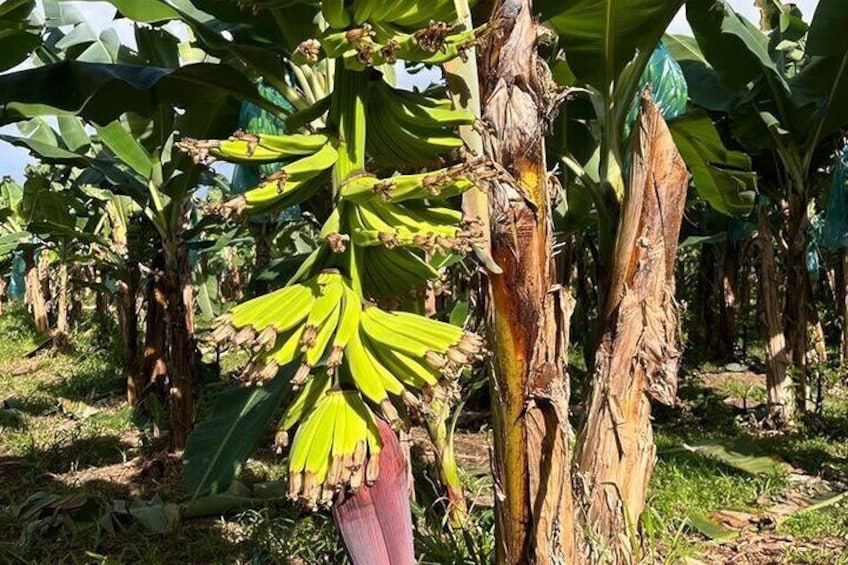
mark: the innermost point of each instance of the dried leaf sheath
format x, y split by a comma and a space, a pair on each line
637, 359
526, 321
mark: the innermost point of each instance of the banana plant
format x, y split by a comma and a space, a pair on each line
13, 234
132, 156
599, 51
352, 357
780, 89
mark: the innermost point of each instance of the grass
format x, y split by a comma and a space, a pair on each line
66, 430
685, 483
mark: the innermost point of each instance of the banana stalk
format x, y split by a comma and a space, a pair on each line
464, 84
440, 427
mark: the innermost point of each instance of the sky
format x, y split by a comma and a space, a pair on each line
100, 15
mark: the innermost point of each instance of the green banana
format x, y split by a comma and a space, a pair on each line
288, 180
362, 372
253, 148
315, 352
348, 325
305, 400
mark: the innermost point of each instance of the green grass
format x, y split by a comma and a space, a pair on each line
72, 433
684, 482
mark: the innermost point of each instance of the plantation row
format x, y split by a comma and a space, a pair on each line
273, 183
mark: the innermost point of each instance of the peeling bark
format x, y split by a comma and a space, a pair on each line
155, 354
781, 401
181, 365
637, 358
128, 320
796, 307
61, 335
527, 313
35, 293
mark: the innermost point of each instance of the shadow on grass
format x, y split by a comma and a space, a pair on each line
816, 446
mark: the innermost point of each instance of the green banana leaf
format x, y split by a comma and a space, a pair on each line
823, 82
18, 37
827, 35
218, 447
601, 36
126, 148
101, 93
722, 177
737, 49
705, 88
710, 528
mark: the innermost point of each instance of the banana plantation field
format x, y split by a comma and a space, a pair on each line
387, 282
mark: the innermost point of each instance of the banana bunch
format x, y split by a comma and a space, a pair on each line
407, 129
390, 273
337, 446
353, 353
252, 148
413, 349
380, 44
310, 322
375, 223
295, 182
432, 185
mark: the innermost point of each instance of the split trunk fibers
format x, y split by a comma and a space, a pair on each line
637, 357
796, 319
35, 296
780, 394
527, 312
128, 319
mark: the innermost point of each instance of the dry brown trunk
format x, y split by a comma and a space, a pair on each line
781, 401
35, 293
637, 359
527, 314
62, 305
155, 354
128, 319
181, 369
3, 287
796, 308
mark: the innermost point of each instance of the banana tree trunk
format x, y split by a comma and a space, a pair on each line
779, 391
3, 287
706, 313
729, 307
61, 335
796, 307
155, 355
35, 293
128, 319
637, 358
526, 311
181, 359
